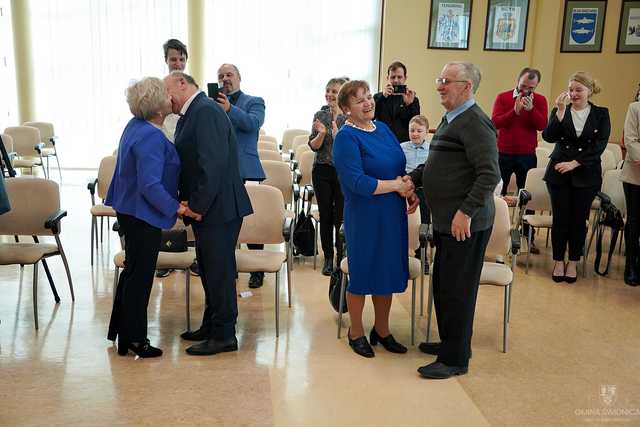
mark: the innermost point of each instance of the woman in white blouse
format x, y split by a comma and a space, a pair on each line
580, 131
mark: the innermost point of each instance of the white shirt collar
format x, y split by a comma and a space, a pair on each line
188, 102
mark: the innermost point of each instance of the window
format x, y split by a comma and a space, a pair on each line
287, 50
85, 54
9, 104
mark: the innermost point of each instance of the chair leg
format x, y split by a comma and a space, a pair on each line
101, 228
188, 297
277, 304
413, 312
116, 274
507, 303
343, 284
315, 245
93, 224
422, 261
528, 248
52, 285
48, 170
429, 306
288, 262
58, 161
66, 266
35, 294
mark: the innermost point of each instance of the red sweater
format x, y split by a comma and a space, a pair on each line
518, 134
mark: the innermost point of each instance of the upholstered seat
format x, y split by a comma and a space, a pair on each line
102, 210
496, 274
25, 253
166, 260
251, 261
539, 220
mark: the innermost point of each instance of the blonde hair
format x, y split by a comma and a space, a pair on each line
421, 120
349, 90
587, 80
145, 97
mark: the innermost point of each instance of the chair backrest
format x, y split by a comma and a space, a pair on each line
305, 166
7, 140
25, 138
616, 151
268, 138
288, 135
278, 176
612, 187
105, 175
267, 145
269, 155
548, 145
33, 201
264, 225
413, 222
303, 148
46, 131
298, 140
540, 200
608, 161
500, 240
542, 157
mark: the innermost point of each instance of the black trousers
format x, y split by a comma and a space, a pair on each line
456, 277
520, 165
129, 313
215, 249
632, 227
571, 207
330, 205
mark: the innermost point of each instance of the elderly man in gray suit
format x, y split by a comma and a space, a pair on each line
458, 180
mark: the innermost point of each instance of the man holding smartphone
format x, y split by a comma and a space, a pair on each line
397, 104
247, 117
518, 114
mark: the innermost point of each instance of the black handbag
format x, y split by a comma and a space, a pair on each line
173, 241
334, 290
611, 217
304, 233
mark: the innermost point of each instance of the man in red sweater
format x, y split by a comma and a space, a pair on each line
518, 115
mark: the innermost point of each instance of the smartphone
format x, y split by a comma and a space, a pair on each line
212, 90
524, 93
399, 89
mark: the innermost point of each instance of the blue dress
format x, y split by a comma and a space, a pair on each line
375, 225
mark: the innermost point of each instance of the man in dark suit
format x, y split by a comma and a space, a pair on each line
211, 185
246, 113
458, 178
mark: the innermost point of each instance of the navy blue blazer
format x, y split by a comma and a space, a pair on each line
145, 181
210, 178
247, 117
585, 149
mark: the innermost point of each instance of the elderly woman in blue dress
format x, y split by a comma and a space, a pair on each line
370, 163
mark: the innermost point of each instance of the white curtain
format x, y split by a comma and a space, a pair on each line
287, 50
85, 54
9, 103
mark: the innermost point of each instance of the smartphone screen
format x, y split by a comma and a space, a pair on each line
212, 90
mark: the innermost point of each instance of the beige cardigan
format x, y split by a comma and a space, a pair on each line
631, 172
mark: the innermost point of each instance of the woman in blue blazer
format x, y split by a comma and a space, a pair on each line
580, 131
143, 193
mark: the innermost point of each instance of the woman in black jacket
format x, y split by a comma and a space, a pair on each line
580, 131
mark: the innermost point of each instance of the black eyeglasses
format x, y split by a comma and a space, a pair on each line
444, 81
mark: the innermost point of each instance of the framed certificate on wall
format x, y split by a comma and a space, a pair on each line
506, 26
583, 26
629, 28
449, 24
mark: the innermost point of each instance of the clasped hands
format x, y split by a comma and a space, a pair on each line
406, 189
184, 210
564, 167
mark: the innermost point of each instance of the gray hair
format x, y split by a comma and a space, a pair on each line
469, 72
145, 97
182, 75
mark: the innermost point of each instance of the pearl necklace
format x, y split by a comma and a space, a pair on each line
353, 125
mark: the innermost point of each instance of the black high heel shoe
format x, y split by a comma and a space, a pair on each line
361, 346
143, 350
570, 279
559, 279
389, 343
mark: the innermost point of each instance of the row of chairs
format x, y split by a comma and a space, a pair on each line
31, 145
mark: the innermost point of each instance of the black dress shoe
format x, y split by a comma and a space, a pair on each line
559, 278
389, 343
256, 280
199, 335
213, 346
327, 268
361, 346
195, 269
143, 350
440, 371
430, 347
164, 272
631, 276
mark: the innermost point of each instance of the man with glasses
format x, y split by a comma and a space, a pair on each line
518, 115
458, 178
